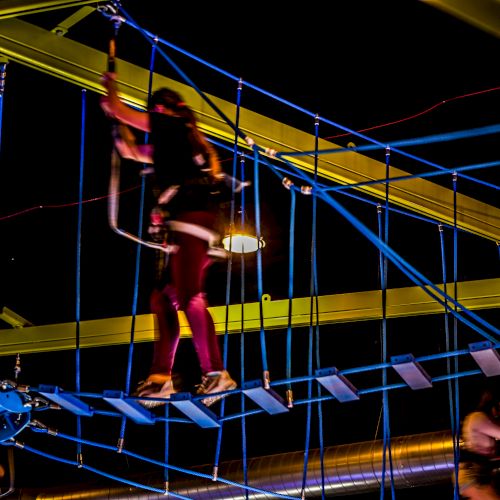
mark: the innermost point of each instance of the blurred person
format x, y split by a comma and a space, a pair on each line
479, 454
186, 187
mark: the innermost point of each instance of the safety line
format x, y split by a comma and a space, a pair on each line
79, 260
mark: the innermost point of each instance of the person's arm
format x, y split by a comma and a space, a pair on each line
125, 144
488, 427
114, 107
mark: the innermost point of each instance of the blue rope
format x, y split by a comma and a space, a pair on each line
448, 367
424, 175
456, 436
291, 261
78, 257
137, 258
416, 141
256, 161
430, 288
316, 302
313, 294
278, 171
229, 272
242, 336
150, 36
383, 281
167, 443
452, 136
142, 458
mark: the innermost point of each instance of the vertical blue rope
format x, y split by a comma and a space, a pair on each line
313, 296
229, 270
456, 437
258, 233
318, 350
78, 260
448, 364
166, 470
137, 260
291, 260
385, 395
242, 339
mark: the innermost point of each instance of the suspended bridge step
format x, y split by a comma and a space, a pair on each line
267, 399
486, 357
336, 384
194, 410
411, 371
65, 400
131, 408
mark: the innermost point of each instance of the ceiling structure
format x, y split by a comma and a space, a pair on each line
49, 51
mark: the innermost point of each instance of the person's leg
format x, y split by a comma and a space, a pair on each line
162, 304
159, 383
188, 275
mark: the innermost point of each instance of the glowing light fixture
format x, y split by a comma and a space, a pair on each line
242, 243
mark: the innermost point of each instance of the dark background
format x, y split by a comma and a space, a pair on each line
361, 64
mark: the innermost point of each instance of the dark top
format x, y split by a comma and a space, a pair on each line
174, 165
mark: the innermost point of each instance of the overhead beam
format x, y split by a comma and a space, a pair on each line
81, 65
482, 14
339, 308
15, 8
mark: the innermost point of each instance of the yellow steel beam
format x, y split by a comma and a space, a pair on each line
82, 65
14, 8
340, 308
483, 14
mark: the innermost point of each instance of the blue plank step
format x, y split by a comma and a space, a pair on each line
267, 399
336, 384
411, 371
64, 400
131, 408
194, 410
486, 357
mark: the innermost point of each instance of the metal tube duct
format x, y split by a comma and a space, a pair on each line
349, 469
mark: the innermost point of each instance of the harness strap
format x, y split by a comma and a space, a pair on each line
196, 230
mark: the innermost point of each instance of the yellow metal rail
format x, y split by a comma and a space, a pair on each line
340, 308
483, 14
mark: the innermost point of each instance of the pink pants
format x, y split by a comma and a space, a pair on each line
184, 291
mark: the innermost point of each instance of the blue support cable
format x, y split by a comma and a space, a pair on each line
242, 338
316, 326
263, 348
79, 259
452, 136
456, 436
433, 173
139, 457
313, 294
291, 262
229, 271
448, 366
384, 282
279, 171
418, 278
137, 259
149, 36
415, 141
341, 189
166, 449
